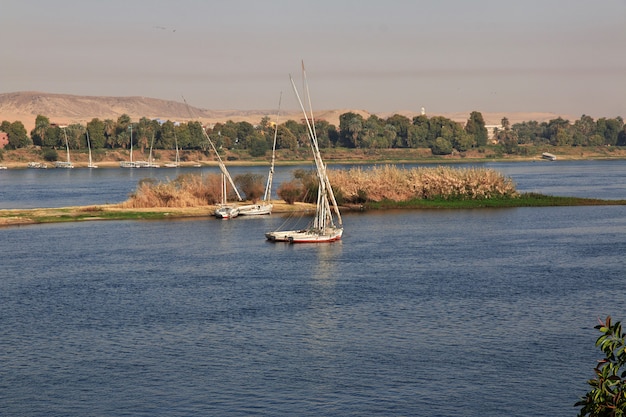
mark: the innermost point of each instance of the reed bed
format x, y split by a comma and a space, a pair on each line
184, 191
388, 182
355, 185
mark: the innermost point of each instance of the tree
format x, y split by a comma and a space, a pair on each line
476, 126
610, 129
95, 128
17, 135
441, 146
38, 134
401, 125
285, 139
608, 394
350, 127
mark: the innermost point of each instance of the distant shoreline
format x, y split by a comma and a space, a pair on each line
18, 159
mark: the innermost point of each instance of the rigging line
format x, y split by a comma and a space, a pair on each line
221, 163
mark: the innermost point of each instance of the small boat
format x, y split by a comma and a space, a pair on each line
548, 156
37, 165
323, 228
68, 163
265, 207
3, 167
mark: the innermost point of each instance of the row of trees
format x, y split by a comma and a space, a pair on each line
440, 134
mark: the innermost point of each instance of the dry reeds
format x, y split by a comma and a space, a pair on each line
389, 182
356, 185
184, 191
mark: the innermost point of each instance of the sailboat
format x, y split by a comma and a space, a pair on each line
225, 210
130, 163
265, 207
176, 163
68, 163
323, 228
91, 164
151, 163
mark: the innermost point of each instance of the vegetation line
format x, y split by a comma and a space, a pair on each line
378, 188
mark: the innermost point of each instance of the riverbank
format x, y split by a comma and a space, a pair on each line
21, 217
20, 158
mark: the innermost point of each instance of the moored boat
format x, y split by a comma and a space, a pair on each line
323, 227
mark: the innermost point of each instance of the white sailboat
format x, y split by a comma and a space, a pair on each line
176, 162
225, 210
265, 207
91, 164
151, 163
323, 228
67, 163
130, 163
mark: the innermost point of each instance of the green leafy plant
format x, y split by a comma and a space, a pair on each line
607, 396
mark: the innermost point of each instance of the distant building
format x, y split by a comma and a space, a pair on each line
491, 131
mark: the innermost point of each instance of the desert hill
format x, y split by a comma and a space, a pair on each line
68, 109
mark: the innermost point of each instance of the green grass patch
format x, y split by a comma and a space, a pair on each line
523, 200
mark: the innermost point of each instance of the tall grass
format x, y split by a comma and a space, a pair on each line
388, 182
355, 185
185, 191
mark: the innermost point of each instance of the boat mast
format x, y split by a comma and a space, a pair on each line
324, 183
89, 147
67, 146
221, 164
268, 188
131, 143
219, 159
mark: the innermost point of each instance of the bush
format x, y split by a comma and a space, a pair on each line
252, 185
50, 155
607, 396
290, 191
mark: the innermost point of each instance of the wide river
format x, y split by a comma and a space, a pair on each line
484, 312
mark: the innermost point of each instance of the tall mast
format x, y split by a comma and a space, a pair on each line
268, 188
219, 159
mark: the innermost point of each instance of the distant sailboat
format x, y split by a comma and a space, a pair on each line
130, 163
265, 207
151, 163
91, 164
67, 163
323, 228
176, 163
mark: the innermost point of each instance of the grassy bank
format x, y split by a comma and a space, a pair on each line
523, 200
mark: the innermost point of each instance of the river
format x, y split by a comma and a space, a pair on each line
483, 312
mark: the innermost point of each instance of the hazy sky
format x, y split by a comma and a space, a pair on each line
562, 56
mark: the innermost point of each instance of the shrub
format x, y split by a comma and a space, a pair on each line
290, 191
608, 394
50, 155
252, 185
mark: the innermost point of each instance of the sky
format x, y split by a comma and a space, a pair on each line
560, 56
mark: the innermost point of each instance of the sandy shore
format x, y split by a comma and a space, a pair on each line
17, 217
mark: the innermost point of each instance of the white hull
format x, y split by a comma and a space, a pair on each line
62, 164
255, 210
305, 236
227, 212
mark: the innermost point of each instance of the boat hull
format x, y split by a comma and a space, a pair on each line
255, 210
305, 236
226, 212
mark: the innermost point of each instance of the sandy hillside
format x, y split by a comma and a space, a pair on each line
68, 109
